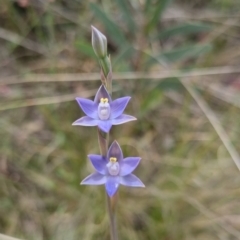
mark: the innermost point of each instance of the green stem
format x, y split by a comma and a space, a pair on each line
105, 64
111, 206
103, 140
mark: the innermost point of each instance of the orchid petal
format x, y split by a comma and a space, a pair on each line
112, 185
105, 125
94, 179
115, 151
98, 162
102, 93
86, 121
127, 165
118, 106
88, 107
131, 181
122, 119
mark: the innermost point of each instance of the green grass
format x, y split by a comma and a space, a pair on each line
192, 184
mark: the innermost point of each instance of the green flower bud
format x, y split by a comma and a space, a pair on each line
99, 43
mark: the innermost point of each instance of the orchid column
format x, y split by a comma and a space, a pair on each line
111, 168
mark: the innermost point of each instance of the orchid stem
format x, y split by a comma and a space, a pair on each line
111, 201
111, 206
100, 46
105, 64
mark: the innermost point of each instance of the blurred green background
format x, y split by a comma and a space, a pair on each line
179, 60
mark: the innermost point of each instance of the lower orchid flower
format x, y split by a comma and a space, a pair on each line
103, 112
113, 170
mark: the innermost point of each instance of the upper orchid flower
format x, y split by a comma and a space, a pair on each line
113, 170
103, 112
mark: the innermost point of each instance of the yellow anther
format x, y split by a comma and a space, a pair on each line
104, 100
113, 159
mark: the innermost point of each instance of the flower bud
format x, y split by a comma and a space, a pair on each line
99, 43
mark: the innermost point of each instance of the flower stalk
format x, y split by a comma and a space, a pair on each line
105, 64
111, 168
111, 207
103, 141
103, 138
